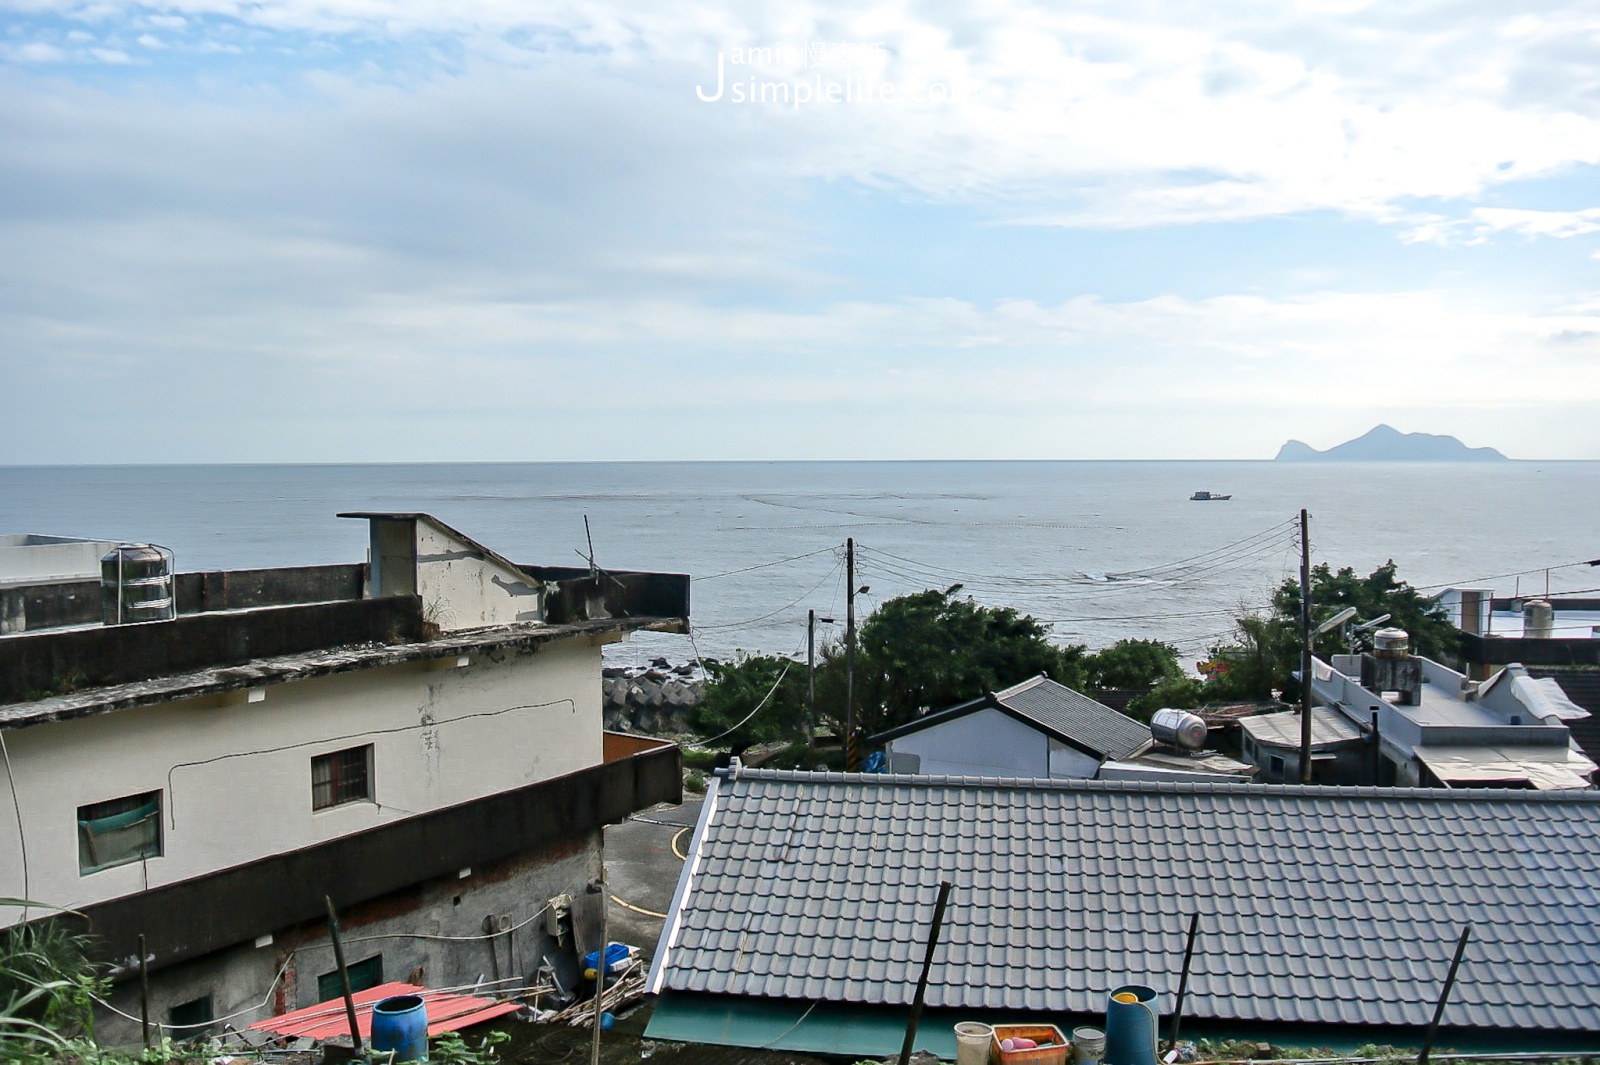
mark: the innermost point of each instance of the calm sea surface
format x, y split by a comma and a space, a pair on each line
1101, 549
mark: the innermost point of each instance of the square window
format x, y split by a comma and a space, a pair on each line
191, 1019
119, 831
1277, 765
363, 975
341, 777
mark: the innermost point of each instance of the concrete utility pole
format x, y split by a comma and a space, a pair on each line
850, 655
1305, 647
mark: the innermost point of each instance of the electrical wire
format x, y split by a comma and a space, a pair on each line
284, 968
22, 835
766, 565
793, 1026
1500, 576
787, 606
173, 804
787, 665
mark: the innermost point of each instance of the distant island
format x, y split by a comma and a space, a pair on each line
1384, 444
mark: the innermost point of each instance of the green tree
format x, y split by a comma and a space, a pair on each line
933, 649
1379, 592
1180, 693
1266, 649
734, 690
1134, 664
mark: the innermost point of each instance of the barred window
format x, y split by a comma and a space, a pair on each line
119, 831
341, 777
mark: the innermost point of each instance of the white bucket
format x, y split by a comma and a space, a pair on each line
1088, 1046
972, 1043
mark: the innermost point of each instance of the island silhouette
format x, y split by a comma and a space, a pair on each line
1383, 443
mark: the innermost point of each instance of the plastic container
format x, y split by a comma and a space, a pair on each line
1088, 1046
972, 1043
400, 1024
1054, 1054
1131, 1026
617, 957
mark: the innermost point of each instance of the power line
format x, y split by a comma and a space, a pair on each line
769, 565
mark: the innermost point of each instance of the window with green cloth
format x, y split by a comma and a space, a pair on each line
119, 831
363, 975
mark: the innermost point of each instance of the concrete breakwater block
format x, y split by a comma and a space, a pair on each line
652, 699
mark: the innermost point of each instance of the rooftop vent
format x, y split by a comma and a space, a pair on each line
1538, 620
1391, 643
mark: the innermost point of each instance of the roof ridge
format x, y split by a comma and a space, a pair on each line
1276, 791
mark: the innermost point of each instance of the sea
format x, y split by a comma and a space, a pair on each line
1098, 551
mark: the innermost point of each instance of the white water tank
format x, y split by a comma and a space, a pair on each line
1538, 620
1178, 728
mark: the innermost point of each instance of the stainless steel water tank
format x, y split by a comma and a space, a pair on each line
136, 585
1178, 728
1391, 643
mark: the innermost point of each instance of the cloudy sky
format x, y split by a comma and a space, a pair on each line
329, 230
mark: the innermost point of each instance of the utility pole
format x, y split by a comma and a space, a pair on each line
811, 689
1305, 647
850, 655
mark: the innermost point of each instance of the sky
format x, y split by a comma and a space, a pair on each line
417, 230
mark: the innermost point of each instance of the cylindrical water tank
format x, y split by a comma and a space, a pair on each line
1178, 728
1538, 620
136, 585
1391, 643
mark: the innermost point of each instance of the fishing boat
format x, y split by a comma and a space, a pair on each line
1209, 497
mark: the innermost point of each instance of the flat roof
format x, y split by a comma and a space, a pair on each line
319, 663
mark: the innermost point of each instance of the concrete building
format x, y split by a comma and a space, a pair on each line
1040, 729
1411, 722
418, 738
1558, 631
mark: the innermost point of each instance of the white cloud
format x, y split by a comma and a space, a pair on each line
33, 52
1104, 115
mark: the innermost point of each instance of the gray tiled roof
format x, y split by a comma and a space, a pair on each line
1073, 718
821, 887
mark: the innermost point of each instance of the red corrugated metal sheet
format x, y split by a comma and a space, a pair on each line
446, 1013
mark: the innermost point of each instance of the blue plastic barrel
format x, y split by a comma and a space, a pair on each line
1131, 1026
400, 1024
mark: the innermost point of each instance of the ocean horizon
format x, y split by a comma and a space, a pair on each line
1099, 549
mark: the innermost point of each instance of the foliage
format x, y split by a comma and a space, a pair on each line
1265, 650
451, 1049
46, 986
694, 781
932, 649
736, 688
1378, 593
1256, 661
1180, 693
1133, 664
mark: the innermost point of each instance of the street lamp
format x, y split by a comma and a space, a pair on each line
810, 683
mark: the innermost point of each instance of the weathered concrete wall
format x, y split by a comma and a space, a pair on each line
33, 665
285, 586
463, 587
235, 776
401, 930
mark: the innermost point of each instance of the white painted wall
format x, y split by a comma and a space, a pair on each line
463, 589
30, 559
984, 743
1072, 763
235, 776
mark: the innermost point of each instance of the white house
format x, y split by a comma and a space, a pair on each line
419, 738
1037, 728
